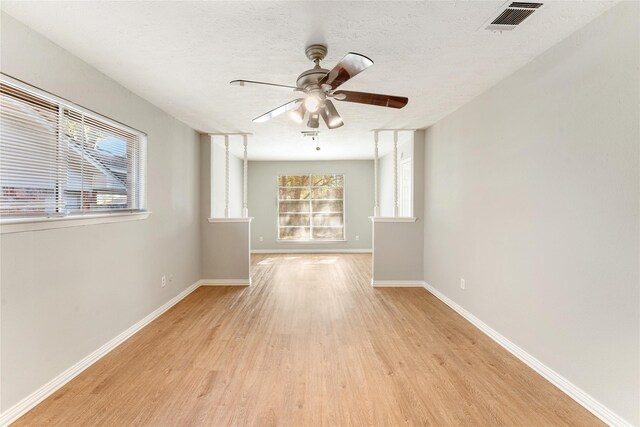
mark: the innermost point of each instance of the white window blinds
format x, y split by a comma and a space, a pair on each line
58, 159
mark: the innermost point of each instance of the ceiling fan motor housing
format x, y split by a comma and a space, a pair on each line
308, 80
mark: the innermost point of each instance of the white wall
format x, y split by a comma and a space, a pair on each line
66, 292
533, 196
236, 176
263, 201
385, 174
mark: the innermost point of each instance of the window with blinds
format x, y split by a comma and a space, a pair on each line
311, 207
58, 159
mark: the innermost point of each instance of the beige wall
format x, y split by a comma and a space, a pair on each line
533, 197
66, 292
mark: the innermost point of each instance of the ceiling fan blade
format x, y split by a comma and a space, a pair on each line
351, 65
371, 98
330, 115
277, 111
253, 83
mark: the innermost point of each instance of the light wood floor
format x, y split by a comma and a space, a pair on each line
310, 343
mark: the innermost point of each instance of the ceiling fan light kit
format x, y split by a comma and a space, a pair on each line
318, 86
314, 121
330, 115
312, 103
297, 114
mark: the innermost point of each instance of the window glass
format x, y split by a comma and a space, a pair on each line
311, 207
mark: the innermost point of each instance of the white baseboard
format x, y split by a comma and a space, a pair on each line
397, 283
311, 251
574, 392
225, 282
29, 402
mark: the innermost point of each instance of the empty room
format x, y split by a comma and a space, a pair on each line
320, 213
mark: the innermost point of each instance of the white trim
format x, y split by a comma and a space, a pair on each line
397, 283
225, 282
376, 192
395, 174
310, 242
212, 180
26, 404
393, 218
245, 172
403, 185
311, 251
249, 250
227, 209
238, 219
18, 225
573, 391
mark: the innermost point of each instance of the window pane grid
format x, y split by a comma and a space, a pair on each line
313, 211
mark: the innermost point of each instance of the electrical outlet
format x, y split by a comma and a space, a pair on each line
261, 239
357, 237
462, 284
164, 281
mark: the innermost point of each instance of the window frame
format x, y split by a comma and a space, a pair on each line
311, 240
69, 218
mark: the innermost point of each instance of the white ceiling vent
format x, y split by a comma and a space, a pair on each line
511, 15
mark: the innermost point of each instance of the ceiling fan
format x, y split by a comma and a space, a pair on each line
317, 86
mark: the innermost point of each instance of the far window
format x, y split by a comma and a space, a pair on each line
311, 207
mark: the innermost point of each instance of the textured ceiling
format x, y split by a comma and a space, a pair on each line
181, 55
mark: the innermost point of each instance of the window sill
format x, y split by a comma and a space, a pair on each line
19, 225
393, 218
237, 219
311, 242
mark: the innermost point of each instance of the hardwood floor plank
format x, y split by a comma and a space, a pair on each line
310, 343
